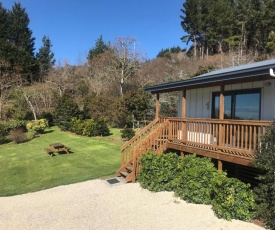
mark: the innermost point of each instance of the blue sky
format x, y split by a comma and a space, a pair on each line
74, 25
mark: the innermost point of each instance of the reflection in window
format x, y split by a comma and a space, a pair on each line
247, 106
242, 105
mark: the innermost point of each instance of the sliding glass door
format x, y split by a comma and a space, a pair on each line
241, 105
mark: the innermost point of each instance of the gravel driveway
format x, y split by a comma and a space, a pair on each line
96, 204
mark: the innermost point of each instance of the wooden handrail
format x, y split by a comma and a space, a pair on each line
225, 121
158, 137
138, 135
129, 145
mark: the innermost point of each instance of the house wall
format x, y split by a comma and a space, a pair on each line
199, 101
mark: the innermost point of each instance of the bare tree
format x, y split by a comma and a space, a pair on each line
125, 61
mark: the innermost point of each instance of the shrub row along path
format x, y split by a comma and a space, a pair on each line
97, 205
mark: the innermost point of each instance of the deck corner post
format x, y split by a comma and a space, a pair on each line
221, 116
219, 165
157, 105
183, 115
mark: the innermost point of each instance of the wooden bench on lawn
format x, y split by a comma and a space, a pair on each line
50, 151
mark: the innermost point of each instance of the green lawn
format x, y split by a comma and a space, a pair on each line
27, 168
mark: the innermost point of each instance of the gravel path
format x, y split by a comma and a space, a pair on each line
96, 204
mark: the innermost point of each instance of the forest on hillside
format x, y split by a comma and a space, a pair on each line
109, 85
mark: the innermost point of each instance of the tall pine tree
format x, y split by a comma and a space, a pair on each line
45, 58
99, 48
22, 44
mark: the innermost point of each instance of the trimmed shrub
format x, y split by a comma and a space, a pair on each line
76, 126
64, 111
18, 136
158, 171
127, 133
89, 127
37, 126
196, 180
101, 127
265, 192
193, 182
232, 199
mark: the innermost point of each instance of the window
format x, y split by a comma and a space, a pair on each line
241, 105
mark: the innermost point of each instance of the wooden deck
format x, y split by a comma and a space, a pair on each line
232, 141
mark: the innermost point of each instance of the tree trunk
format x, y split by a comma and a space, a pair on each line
29, 103
195, 46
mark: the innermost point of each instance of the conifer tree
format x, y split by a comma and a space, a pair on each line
22, 43
45, 58
99, 48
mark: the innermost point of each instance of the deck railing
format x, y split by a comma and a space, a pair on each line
234, 136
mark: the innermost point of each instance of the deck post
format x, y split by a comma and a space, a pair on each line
183, 115
220, 165
221, 116
157, 105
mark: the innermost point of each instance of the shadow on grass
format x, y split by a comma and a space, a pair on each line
48, 131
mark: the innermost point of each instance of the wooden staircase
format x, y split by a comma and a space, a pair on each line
153, 137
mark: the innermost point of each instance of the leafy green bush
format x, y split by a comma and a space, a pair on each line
265, 192
196, 180
18, 136
76, 126
127, 133
193, 182
232, 199
89, 127
37, 126
9, 125
101, 127
64, 111
158, 171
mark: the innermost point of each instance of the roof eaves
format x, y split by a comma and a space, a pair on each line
215, 76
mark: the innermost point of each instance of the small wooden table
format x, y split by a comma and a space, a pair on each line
59, 147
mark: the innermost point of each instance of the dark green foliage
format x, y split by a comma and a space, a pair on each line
100, 48
158, 171
265, 192
196, 180
45, 58
193, 182
137, 103
13, 125
21, 44
232, 199
101, 127
3, 134
168, 51
217, 26
127, 133
89, 127
18, 136
64, 111
48, 116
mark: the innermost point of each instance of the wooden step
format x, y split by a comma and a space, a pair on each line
129, 168
125, 174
